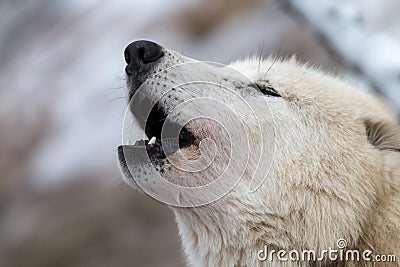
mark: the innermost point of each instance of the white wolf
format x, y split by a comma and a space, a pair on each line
305, 159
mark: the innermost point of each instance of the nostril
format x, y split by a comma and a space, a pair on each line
151, 53
140, 53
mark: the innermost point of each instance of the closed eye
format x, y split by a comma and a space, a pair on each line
265, 89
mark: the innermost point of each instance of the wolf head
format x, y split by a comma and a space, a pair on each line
259, 151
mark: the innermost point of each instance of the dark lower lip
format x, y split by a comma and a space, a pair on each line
132, 157
155, 153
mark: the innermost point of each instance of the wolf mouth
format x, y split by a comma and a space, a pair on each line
157, 119
164, 136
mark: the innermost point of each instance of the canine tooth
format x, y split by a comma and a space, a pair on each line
152, 140
128, 142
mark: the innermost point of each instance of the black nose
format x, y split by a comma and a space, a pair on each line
139, 54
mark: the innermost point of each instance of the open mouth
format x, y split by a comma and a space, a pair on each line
164, 136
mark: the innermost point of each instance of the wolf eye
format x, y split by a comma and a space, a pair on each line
265, 89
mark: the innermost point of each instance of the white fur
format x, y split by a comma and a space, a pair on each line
327, 180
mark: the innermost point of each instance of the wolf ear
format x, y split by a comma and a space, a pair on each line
383, 135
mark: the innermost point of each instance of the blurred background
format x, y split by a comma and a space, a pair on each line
62, 104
